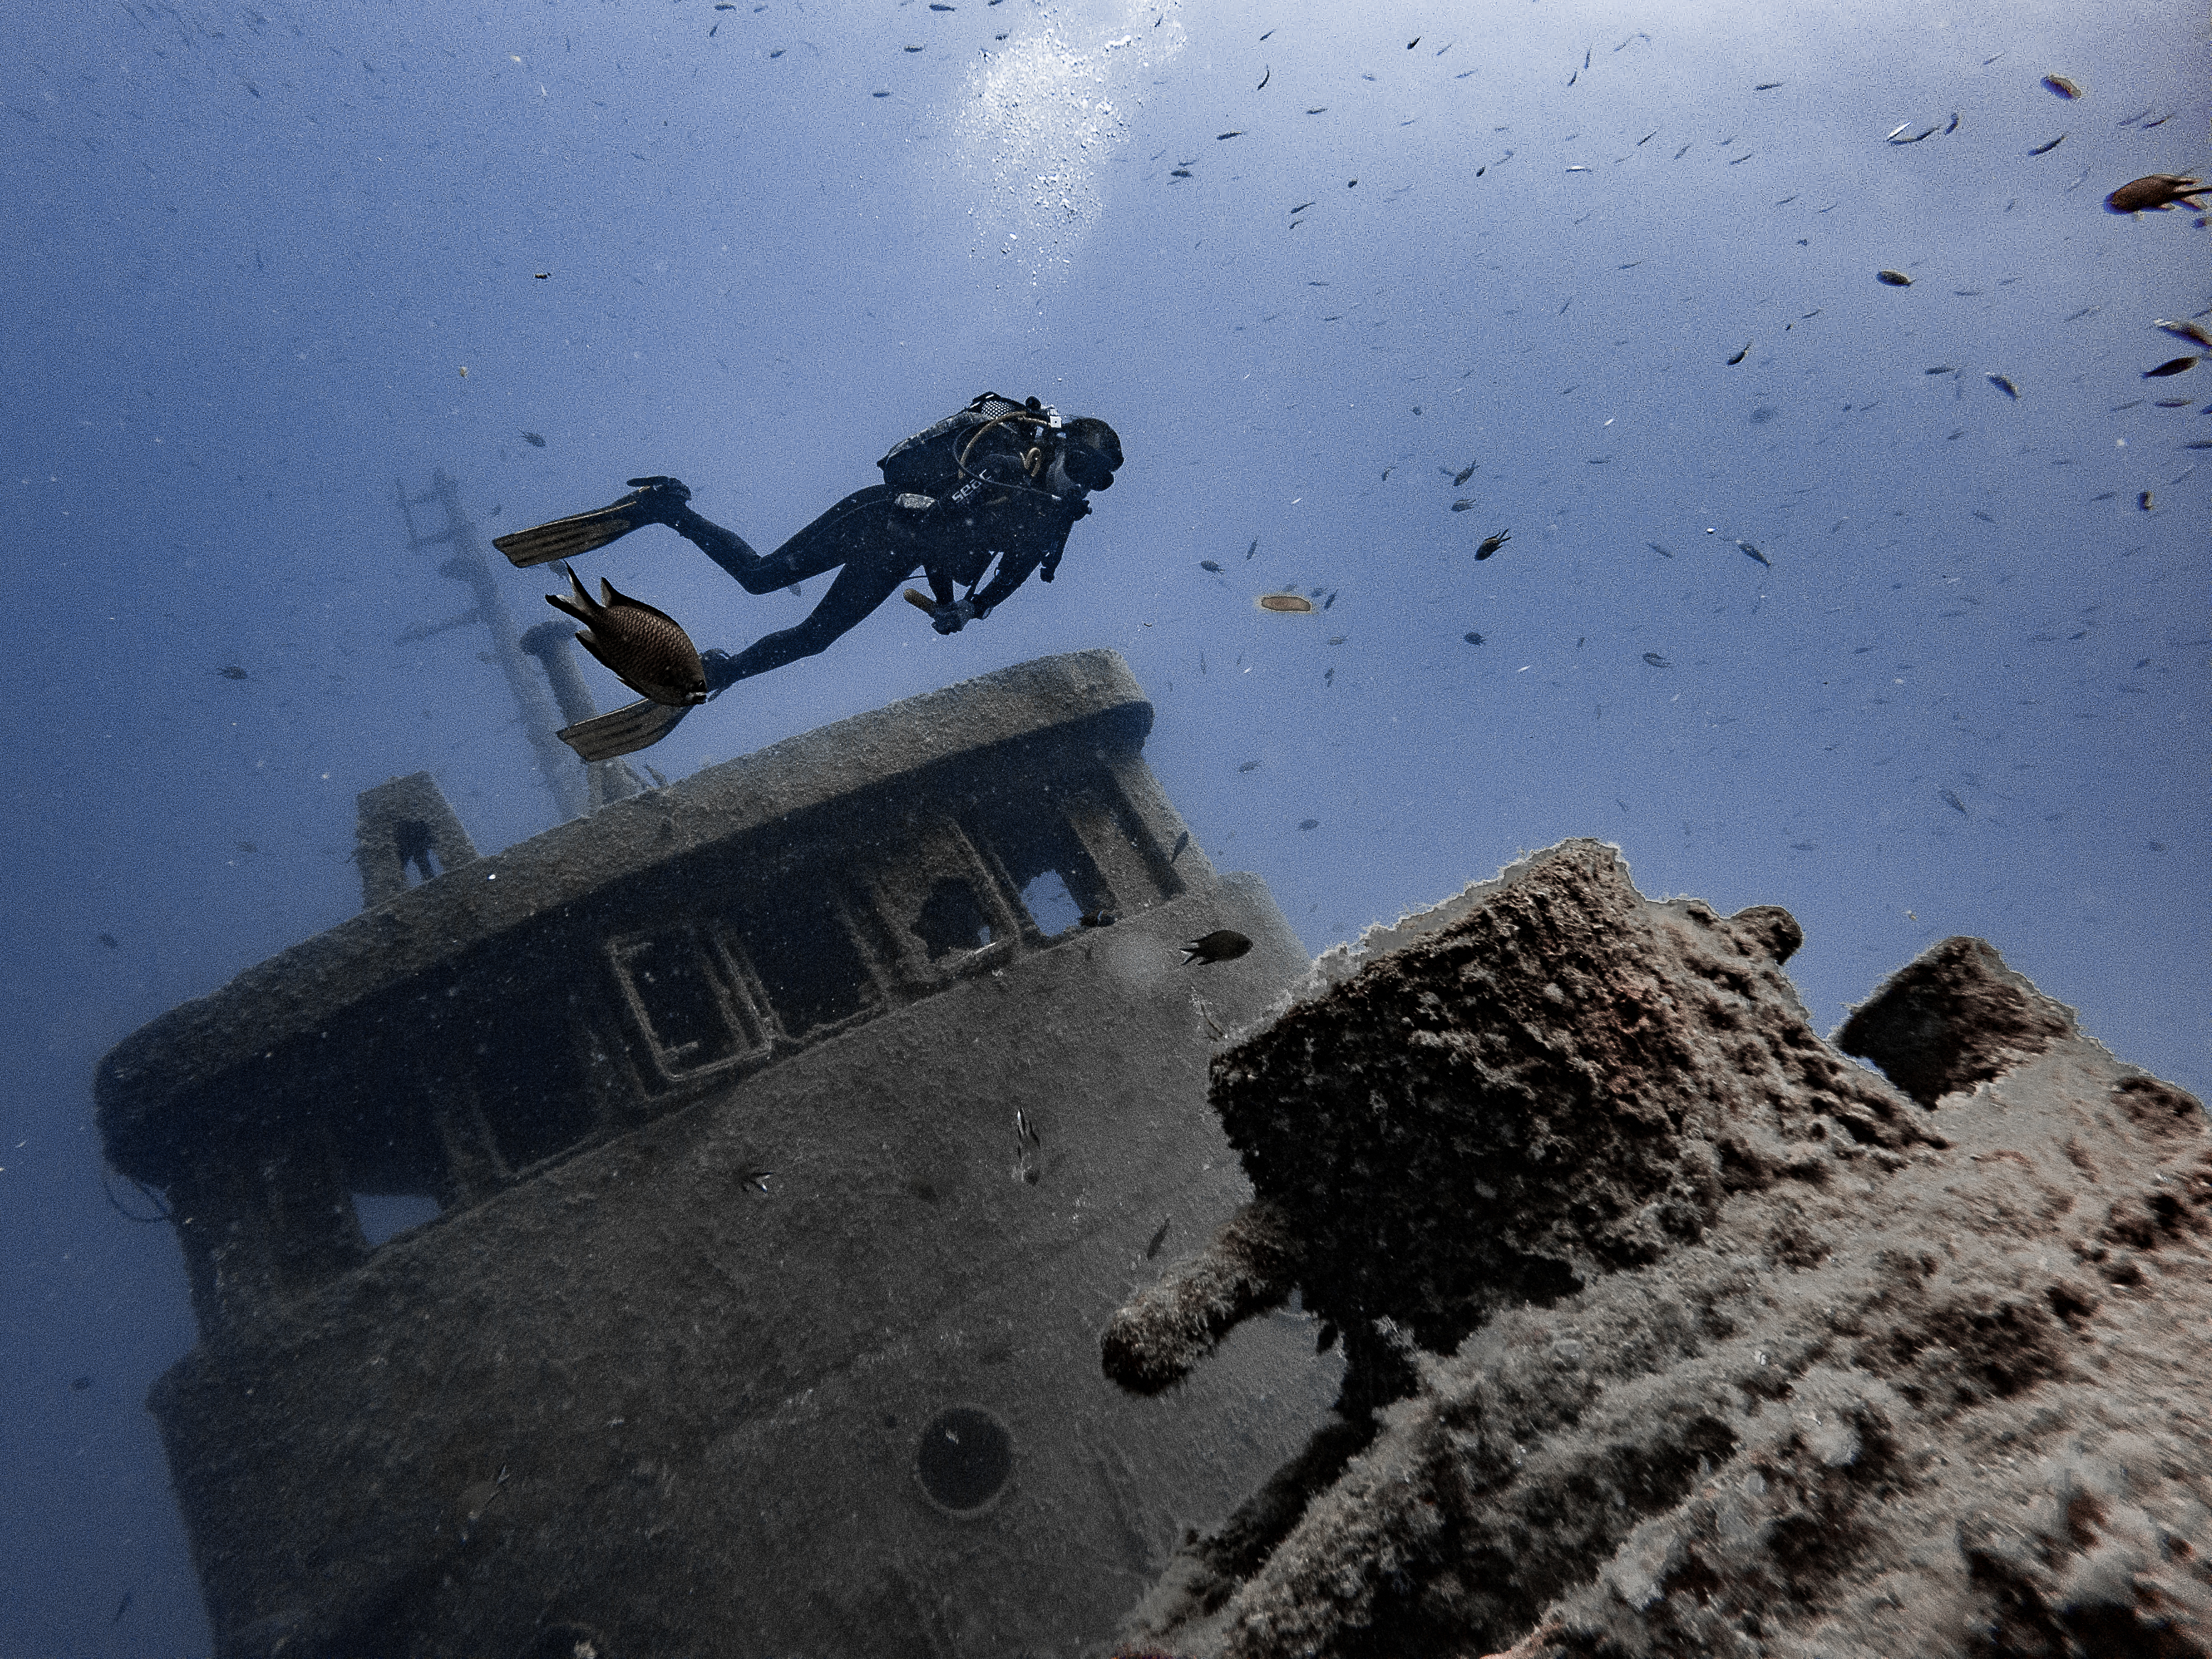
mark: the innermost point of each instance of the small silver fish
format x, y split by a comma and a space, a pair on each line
1751, 552
1152, 1246
1468, 471
1952, 801
2004, 385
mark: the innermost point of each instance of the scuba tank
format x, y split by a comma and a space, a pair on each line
938, 459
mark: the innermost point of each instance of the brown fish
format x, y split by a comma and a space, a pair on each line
1292, 604
2064, 88
2186, 329
1222, 945
2154, 192
2171, 365
647, 649
1491, 544
1893, 278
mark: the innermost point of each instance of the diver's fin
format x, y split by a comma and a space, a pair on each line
564, 539
919, 601
624, 731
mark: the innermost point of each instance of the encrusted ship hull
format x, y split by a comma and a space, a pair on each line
756, 1320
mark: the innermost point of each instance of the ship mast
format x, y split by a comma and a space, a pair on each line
466, 564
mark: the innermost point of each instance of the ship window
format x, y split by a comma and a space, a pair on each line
413, 841
951, 919
1047, 861
531, 1082
1049, 903
809, 966
385, 1216
679, 999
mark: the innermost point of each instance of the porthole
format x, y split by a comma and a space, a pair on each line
963, 1460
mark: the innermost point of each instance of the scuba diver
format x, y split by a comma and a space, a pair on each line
997, 479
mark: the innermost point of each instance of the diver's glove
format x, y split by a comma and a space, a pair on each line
721, 673
660, 500
946, 618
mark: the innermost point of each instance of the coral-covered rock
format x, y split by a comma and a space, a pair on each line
1955, 1016
1673, 1333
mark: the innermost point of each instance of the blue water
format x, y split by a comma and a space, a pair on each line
268, 264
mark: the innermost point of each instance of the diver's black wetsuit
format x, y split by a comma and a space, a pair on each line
880, 536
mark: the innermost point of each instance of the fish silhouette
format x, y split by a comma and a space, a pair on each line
1222, 945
